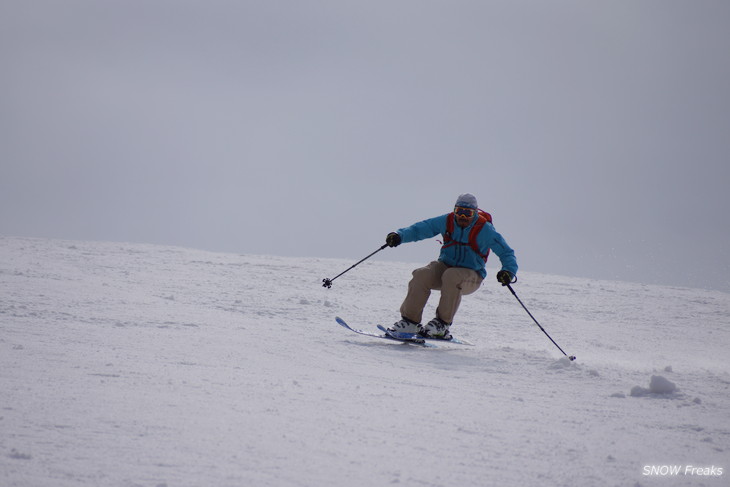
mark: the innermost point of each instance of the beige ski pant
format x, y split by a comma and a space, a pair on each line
453, 282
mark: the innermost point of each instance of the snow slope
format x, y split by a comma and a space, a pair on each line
140, 365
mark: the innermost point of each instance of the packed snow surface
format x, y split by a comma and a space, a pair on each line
139, 365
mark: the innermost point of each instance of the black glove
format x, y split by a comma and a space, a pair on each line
393, 239
505, 277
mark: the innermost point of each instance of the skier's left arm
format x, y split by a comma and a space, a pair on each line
505, 253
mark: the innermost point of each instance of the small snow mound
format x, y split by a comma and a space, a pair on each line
661, 385
657, 385
638, 391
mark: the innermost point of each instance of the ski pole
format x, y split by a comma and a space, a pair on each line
571, 357
328, 282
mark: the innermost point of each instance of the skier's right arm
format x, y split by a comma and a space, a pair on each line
422, 230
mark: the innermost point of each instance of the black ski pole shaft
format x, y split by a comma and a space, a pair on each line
571, 357
328, 282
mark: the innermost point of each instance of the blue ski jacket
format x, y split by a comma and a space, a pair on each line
462, 255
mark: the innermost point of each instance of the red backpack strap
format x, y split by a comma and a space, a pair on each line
485, 215
448, 241
483, 218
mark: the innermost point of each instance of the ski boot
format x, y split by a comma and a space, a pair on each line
436, 328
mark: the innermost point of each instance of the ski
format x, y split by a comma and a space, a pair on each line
415, 336
414, 340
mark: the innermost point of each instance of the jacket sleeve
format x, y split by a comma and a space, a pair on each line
505, 253
423, 229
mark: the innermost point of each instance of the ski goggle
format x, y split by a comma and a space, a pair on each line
467, 212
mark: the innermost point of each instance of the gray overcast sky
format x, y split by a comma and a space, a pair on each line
596, 132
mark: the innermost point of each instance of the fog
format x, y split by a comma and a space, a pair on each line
596, 133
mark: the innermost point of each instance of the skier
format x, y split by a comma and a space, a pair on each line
468, 237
